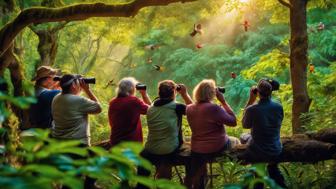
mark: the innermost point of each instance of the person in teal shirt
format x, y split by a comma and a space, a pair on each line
164, 120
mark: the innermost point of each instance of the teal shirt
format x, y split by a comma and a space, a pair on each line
163, 129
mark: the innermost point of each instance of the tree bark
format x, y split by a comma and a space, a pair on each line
71, 13
16, 72
48, 44
299, 62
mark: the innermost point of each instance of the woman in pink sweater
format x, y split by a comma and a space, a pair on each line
207, 121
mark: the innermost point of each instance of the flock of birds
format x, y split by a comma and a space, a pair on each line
198, 30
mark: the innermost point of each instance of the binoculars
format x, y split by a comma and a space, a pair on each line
140, 86
89, 80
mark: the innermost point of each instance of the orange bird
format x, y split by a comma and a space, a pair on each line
246, 25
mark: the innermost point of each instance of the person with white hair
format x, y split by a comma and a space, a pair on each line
125, 110
208, 138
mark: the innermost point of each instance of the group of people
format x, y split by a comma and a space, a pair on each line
61, 108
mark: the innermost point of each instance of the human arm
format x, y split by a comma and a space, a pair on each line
184, 94
247, 118
145, 97
228, 117
92, 107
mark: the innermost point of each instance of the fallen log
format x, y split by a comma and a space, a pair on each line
310, 147
294, 150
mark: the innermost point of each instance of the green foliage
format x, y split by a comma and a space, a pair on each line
255, 174
65, 162
319, 175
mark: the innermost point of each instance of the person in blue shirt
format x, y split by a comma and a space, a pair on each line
45, 90
264, 118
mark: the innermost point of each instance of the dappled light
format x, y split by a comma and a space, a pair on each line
167, 94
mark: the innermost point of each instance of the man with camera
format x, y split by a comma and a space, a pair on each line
45, 90
264, 119
70, 110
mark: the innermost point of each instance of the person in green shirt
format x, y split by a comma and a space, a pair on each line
164, 120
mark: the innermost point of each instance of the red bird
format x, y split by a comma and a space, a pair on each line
199, 46
311, 68
246, 25
233, 75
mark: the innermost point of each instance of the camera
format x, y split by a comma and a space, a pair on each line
140, 86
221, 89
89, 80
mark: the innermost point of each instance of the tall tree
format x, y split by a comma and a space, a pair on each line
48, 36
298, 60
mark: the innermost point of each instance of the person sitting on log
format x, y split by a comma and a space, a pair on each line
209, 138
40, 112
125, 110
164, 120
70, 110
264, 119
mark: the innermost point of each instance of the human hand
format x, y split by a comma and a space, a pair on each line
142, 91
84, 85
182, 90
220, 96
253, 93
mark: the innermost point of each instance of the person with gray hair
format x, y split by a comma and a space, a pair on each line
125, 110
264, 118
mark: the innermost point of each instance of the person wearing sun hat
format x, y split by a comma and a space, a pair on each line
45, 91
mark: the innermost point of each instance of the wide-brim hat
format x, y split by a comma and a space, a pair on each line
45, 71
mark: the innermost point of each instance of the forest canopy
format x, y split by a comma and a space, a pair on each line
242, 41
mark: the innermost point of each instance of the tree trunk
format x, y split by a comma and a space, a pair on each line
47, 47
299, 62
16, 72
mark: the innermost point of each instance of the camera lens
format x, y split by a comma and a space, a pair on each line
178, 87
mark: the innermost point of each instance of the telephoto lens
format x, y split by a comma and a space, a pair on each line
221, 89
89, 80
140, 86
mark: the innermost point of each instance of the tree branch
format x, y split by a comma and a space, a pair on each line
72, 13
286, 4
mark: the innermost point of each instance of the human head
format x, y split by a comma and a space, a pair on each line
70, 84
167, 89
264, 88
44, 77
126, 86
205, 91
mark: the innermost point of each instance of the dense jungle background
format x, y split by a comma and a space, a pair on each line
249, 38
